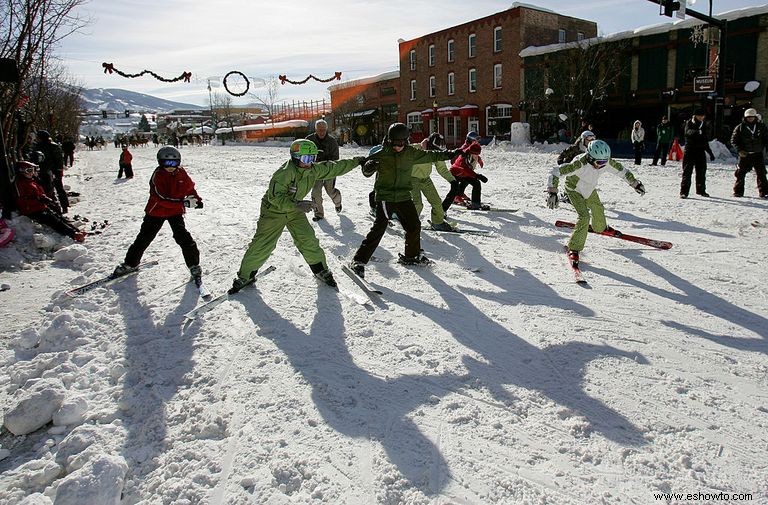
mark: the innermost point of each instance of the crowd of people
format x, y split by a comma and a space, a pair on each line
402, 176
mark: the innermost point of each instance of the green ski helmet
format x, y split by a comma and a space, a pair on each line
598, 152
303, 151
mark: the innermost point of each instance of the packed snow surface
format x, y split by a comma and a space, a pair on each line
490, 377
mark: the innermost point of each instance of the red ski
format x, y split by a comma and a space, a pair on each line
577, 275
658, 244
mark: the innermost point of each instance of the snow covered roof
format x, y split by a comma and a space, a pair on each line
293, 123
366, 80
646, 30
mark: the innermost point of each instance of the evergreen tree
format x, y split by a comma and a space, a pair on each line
143, 124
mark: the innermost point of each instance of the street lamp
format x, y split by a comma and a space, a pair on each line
437, 124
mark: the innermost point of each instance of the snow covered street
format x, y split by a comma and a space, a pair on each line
489, 378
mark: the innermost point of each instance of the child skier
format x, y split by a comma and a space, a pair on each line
393, 162
422, 182
283, 205
581, 176
125, 163
171, 191
33, 202
463, 168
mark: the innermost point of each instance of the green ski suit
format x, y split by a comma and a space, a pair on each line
422, 183
580, 184
278, 209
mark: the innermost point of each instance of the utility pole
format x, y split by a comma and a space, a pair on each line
669, 7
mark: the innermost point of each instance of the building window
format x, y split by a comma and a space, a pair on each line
412, 59
451, 83
579, 36
413, 89
388, 91
413, 120
432, 86
472, 43
472, 80
497, 39
450, 50
497, 76
498, 118
561, 35
431, 55
452, 127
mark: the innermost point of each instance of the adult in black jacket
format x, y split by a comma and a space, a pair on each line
696, 146
750, 138
328, 151
52, 169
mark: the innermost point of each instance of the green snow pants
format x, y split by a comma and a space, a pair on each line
583, 207
269, 228
427, 187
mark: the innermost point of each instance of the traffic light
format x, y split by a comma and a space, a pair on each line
670, 6
104, 114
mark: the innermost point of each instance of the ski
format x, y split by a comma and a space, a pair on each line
489, 209
106, 281
205, 293
466, 231
577, 275
658, 244
215, 302
361, 283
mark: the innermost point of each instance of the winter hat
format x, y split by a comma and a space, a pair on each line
43, 135
474, 148
699, 112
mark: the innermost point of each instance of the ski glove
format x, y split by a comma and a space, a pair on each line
482, 178
552, 201
370, 167
639, 188
304, 205
192, 202
361, 160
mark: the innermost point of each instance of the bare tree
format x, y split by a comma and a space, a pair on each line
579, 78
268, 98
31, 30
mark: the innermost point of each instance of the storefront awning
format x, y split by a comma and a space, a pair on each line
363, 113
428, 114
469, 110
448, 111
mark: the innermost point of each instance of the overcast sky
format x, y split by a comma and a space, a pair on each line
295, 38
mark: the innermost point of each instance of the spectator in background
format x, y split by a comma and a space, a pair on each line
328, 150
638, 141
664, 135
750, 138
52, 169
68, 148
696, 146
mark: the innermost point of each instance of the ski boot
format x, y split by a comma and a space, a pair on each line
444, 226
122, 269
358, 268
415, 260
327, 277
197, 274
573, 257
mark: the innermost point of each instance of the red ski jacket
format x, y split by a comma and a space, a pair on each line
125, 158
167, 191
461, 166
31, 197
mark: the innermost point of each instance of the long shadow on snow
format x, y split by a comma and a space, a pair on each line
740, 343
691, 294
157, 358
353, 401
672, 226
510, 360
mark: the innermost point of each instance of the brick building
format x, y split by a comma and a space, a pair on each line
364, 108
468, 77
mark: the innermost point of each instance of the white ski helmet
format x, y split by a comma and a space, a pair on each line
750, 113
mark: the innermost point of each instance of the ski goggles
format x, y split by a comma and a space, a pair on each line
171, 163
398, 143
596, 163
307, 159
28, 170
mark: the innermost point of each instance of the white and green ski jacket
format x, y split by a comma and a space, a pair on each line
582, 177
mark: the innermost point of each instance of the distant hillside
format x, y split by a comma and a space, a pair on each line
119, 99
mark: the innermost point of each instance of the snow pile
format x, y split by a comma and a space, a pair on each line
489, 378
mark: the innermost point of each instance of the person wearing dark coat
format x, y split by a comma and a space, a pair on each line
665, 132
750, 138
696, 147
52, 169
68, 148
328, 150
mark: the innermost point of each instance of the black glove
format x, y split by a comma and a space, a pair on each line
639, 188
361, 160
482, 178
552, 201
370, 167
304, 205
199, 204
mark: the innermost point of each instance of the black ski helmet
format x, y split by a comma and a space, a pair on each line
398, 131
168, 153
